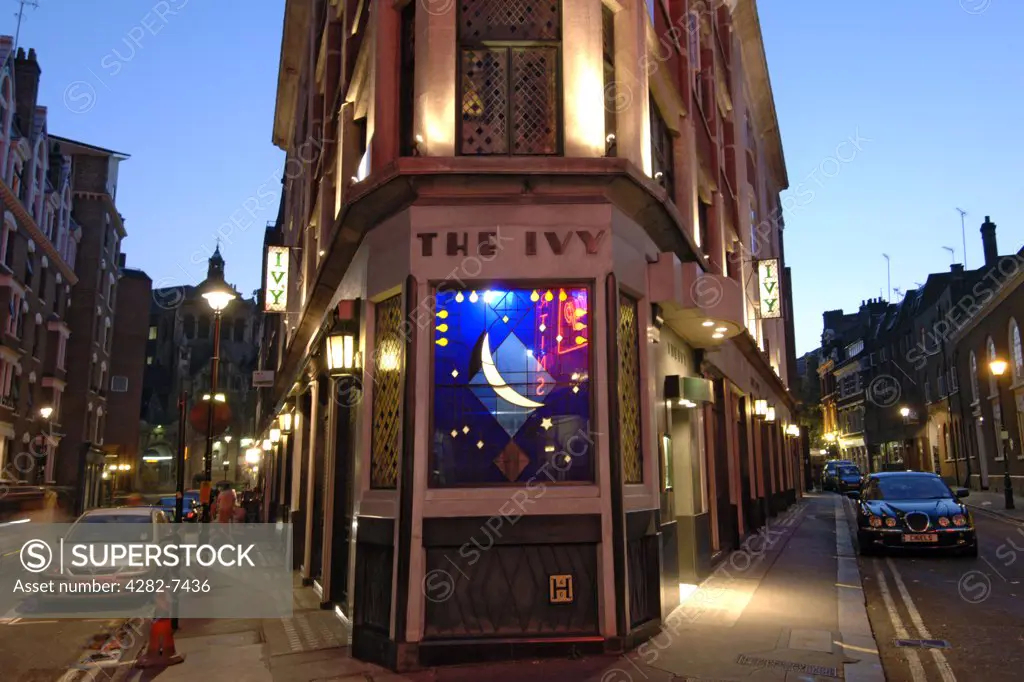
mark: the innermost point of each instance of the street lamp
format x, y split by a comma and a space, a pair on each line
904, 412
45, 412
218, 295
998, 369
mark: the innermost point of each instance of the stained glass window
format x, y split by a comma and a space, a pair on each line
512, 387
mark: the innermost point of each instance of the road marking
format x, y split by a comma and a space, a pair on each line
913, 659
940, 658
994, 568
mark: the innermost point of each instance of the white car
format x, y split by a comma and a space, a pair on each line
153, 527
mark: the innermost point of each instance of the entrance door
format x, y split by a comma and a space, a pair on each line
319, 483
746, 501
727, 529
342, 517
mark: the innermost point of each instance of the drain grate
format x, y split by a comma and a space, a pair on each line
790, 666
923, 643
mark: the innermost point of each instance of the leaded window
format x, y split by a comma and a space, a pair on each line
509, 68
387, 393
629, 392
512, 395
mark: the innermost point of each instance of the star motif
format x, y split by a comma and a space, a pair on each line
454, 433
479, 445
465, 429
455, 373
545, 423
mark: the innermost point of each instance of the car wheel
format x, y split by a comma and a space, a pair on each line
970, 552
865, 547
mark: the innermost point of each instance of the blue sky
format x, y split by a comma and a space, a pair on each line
931, 90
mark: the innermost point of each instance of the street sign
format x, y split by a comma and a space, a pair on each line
263, 378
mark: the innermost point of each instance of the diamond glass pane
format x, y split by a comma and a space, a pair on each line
511, 387
485, 101
534, 100
387, 393
629, 392
509, 20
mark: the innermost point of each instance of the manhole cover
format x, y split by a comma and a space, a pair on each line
923, 643
757, 662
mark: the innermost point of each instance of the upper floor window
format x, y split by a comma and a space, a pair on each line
974, 376
993, 387
509, 67
661, 150
1016, 353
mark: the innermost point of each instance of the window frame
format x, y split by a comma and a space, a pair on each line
593, 373
464, 44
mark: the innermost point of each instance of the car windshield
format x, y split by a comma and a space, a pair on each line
96, 528
849, 471
910, 488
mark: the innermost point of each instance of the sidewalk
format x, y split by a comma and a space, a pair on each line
787, 606
994, 503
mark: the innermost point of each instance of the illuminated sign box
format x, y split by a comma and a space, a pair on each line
276, 286
769, 288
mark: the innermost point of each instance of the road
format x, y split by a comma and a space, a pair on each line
976, 605
41, 650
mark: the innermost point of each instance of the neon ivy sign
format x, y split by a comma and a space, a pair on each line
276, 285
769, 287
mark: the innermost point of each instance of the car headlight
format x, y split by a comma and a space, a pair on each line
875, 522
944, 522
959, 520
890, 522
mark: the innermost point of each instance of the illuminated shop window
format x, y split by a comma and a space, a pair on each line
512, 387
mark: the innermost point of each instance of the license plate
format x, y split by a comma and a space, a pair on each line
920, 537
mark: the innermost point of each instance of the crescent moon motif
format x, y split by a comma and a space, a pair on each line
497, 382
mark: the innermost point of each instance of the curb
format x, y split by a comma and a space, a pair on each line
854, 625
996, 514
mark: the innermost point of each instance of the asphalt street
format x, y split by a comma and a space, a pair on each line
42, 650
976, 606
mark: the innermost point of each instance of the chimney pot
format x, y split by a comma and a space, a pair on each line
32, 54
988, 242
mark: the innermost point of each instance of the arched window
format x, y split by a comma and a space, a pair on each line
190, 327
240, 329
1016, 354
993, 388
204, 327
974, 377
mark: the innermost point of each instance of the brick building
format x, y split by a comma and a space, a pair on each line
127, 366
38, 249
178, 350
991, 409
91, 315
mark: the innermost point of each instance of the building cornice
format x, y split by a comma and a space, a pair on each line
26, 222
755, 67
296, 29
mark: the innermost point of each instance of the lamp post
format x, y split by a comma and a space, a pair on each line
998, 369
218, 295
45, 412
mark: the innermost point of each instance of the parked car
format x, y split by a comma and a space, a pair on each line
847, 478
828, 475
913, 510
152, 527
191, 510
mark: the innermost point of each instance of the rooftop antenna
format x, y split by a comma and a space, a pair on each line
888, 274
22, 4
952, 254
898, 292
963, 233
919, 285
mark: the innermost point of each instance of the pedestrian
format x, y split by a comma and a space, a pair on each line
226, 506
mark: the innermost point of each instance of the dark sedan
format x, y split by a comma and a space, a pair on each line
847, 478
913, 510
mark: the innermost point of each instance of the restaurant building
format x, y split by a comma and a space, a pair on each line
528, 317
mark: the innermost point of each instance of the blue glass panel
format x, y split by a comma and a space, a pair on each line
511, 387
